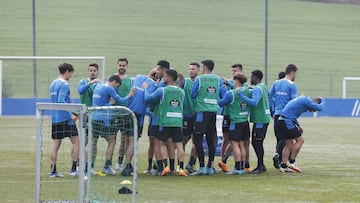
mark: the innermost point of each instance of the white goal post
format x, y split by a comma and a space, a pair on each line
345, 79
102, 58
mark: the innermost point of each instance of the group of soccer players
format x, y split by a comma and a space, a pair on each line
180, 109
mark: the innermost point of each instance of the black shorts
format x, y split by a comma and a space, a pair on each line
205, 123
62, 130
226, 124
287, 133
175, 133
126, 125
188, 125
239, 131
153, 130
99, 128
259, 131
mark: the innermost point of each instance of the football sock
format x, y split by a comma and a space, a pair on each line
242, 164
259, 151
165, 161
149, 163
74, 165
224, 159
247, 164
108, 163
181, 164
120, 159
53, 168
237, 165
283, 165
160, 165
291, 161
172, 164
191, 161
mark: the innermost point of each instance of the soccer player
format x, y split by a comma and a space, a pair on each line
282, 91
171, 99
239, 131
150, 85
206, 90
259, 116
281, 75
189, 113
290, 130
104, 124
225, 145
150, 80
63, 122
126, 139
85, 89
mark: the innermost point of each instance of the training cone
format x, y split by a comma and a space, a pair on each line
125, 182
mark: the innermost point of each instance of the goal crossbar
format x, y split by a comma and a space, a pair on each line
345, 79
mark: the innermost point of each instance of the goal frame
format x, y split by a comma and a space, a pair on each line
345, 79
81, 108
135, 155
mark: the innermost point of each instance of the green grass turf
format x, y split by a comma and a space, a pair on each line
329, 159
321, 39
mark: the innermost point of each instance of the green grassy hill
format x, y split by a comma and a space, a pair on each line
321, 39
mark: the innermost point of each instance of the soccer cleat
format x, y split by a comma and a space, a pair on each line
166, 171
223, 167
201, 171
259, 169
119, 167
182, 172
93, 172
236, 172
190, 169
156, 173
73, 173
248, 170
147, 171
286, 170
108, 170
211, 171
294, 167
56, 175
276, 161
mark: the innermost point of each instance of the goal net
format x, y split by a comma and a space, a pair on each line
103, 124
92, 182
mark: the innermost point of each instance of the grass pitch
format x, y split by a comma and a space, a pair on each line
330, 161
321, 39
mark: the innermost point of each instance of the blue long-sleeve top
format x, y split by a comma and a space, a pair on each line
256, 94
227, 99
299, 105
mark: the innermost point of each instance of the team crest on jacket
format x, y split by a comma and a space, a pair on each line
211, 90
174, 103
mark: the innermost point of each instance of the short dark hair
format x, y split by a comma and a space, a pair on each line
290, 68
164, 64
209, 64
123, 59
116, 78
172, 73
237, 65
65, 67
240, 77
258, 74
95, 65
195, 64
281, 75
